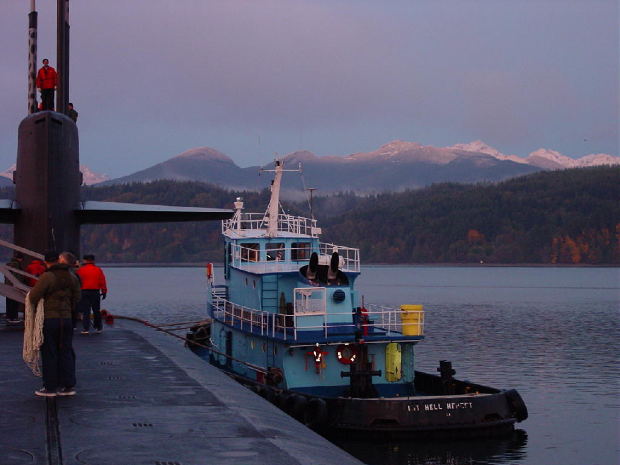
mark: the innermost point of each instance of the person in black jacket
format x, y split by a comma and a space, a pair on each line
60, 289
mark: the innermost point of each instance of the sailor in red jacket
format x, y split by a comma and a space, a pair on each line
47, 80
93, 287
36, 267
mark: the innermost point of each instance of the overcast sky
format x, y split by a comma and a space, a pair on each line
153, 78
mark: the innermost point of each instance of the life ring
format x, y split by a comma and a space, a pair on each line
515, 401
346, 354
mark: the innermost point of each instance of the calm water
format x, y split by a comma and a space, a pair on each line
551, 333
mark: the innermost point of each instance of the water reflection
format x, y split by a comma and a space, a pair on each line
510, 449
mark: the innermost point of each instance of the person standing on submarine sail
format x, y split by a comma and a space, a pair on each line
47, 80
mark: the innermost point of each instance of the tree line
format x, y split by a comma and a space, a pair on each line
554, 217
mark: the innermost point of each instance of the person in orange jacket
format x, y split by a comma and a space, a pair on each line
36, 267
47, 80
94, 288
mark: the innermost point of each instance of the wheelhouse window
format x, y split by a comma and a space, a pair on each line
275, 251
249, 252
300, 251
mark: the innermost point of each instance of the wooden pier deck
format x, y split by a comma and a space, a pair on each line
143, 399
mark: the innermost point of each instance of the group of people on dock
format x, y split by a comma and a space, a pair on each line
46, 82
69, 293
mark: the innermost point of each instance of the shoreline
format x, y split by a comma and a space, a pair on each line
421, 265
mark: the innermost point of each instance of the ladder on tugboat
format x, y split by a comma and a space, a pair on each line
269, 293
220, 291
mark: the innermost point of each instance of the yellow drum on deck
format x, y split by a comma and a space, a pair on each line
412, 317
393, 362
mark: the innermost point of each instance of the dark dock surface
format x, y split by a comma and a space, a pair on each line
144, 399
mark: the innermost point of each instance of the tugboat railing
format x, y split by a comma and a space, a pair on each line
285, 259
349, 256
286, 223
375, 321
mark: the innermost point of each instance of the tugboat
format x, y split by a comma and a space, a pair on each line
290, 324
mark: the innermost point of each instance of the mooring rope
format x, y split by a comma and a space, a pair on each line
188, 341
185, 323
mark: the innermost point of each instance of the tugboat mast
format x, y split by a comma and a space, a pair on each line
271, 215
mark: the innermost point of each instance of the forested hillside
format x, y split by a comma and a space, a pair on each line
568, 217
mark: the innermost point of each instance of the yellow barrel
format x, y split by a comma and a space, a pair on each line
393, 362
412, 317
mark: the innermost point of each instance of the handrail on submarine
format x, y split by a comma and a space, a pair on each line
17, 290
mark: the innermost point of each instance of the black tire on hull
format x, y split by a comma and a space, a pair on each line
315, 413
519, 409
295, 405
269, 395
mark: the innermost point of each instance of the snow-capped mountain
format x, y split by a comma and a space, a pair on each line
409, 152
551, 159
394, 166
89, 176
481, 147
597, 159
541, 158
8, 173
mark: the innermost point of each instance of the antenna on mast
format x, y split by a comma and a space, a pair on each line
32, 58
62, 55
311, 190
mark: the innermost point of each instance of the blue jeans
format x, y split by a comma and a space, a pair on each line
90, 300
57, 355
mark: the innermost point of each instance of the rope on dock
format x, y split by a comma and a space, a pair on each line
185, 323
109, 318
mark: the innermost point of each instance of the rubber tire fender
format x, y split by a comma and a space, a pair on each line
270, 395
515, 401
294, 405
315, 413
280, 400
258, 389
202, 334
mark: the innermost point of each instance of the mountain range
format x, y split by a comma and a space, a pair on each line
89, 176
395, 166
